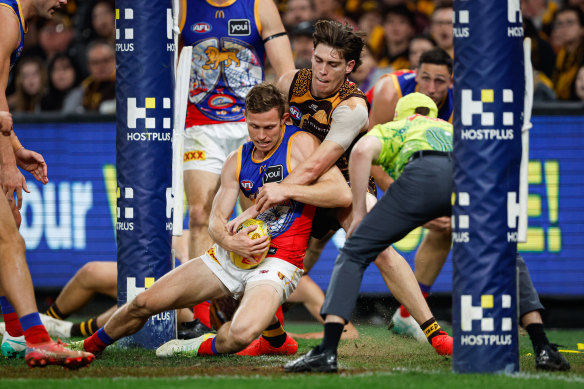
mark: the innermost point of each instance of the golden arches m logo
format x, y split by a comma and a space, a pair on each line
219, 14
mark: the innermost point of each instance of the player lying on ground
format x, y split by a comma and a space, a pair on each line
274, 151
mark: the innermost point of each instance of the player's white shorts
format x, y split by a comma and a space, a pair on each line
206, 147
282, 275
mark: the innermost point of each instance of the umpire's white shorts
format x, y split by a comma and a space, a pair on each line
206, 147
282, 275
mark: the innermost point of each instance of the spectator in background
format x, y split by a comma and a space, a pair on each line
64, 79
103, 21
576, 3
99, 89
420, 9
302, 44
543, 56
332, 10
368, 72
441, 28
297, 11
30, 85
370, 22
56, 35
399, 27
569, 25
370, 18
579, 85
418, 45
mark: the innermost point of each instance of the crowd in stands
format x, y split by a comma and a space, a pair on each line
68, 62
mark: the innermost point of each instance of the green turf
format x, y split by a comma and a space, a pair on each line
377, 359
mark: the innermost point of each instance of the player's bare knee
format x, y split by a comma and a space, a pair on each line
88, 274
243, 335
198, 216
386, 261
141, 306
16, 244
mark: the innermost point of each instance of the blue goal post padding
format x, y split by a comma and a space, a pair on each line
144, 91
489, 96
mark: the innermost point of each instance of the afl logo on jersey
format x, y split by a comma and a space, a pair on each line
201, 27
295, 113
221, 101
247, 184
239, 27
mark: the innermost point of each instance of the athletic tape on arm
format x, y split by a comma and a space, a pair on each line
346, 124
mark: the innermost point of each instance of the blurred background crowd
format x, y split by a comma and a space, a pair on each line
68, 62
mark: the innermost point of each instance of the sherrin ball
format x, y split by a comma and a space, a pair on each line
260, 231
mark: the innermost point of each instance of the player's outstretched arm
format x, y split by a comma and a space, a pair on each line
365, 152
278, 49
330, 190
222, 208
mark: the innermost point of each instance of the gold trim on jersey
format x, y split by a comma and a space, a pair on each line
256, 13
183, 15
227, 4
396, 86
289, 152
23, 20
238, 166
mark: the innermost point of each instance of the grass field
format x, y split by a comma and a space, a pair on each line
378, 359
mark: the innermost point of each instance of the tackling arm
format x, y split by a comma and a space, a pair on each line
351, 119
223, 204
330, 189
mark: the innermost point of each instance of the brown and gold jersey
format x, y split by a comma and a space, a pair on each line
314, 114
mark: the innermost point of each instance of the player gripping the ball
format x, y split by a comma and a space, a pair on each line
275, 149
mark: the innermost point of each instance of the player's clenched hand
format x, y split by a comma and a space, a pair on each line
33, 163
271, 194
440, 224
242, 244
234, 224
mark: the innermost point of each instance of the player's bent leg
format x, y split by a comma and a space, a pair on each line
93, 277
431, 255
200, 188
185, 286
402, 283
255, 313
